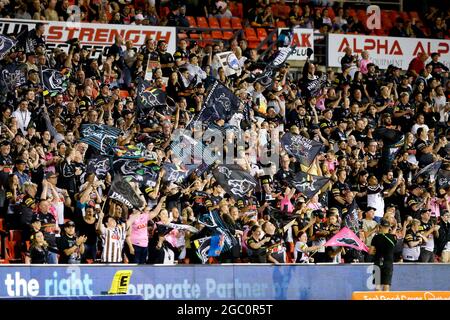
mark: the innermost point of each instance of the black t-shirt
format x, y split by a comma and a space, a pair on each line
48, 223
88, 230
384, 244
275, 246
165, 58
38, 255
256, 255
66, 242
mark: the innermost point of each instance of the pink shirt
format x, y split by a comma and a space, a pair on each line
286, 201
139, 233
363, 65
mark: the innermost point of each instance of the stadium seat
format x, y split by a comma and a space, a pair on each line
2, 224
14, 246
237, 9
393, 15
414, 14
213, 22
216, 35
192, 22
361, 14
202, 22
182, 35
283, 11
352, 12
250, 34
227, 35
236, 23
281, 24
331, 13
225, 23
404, 15
262, 33
275, 10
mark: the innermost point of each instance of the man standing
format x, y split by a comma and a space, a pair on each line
382, 247
429, 230
23, 116
70, 246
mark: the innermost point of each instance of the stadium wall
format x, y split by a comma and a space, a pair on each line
221, 282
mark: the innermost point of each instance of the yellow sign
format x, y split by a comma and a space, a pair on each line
120, 282
401, 295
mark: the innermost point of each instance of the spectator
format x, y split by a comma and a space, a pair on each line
70, 246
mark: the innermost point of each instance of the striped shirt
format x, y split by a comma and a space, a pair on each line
113, 241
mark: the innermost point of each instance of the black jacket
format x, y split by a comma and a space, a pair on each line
444, 237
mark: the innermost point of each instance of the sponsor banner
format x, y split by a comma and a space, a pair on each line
216, 282
384, 51
401, 295
93, 35
302, 40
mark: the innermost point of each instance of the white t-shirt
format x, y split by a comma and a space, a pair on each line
375, 199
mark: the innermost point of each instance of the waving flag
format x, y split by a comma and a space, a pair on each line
216, 245
443, 179
220, 103
202, 246
346, 238
122, 191
12, 76
148, 98
430, 170
6, 44
314, 87
101, 137
54, 82
308, 184
136, 171
234, 180
99, 165
177, 174
303, 149
214, 222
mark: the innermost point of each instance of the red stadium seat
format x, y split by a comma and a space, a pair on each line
237, 9
225, 23
2, 224
283, 11
275, 10
414, 14
404, 16
361, 14
227, 35
181, 36
192, 22
213, 22
202, 22
236, 23
393, 15
352, 12
281, 24
262, 34
216, 35
250, 34
14, 246
331, 13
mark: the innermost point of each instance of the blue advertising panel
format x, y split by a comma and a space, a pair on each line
218, 282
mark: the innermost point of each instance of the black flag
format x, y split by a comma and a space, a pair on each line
6, 44
443, 179
136, 171
99, 165
430, 170
220, 103
122, 191
308, 184
149, 98
13, 75
314, 87
54, 82
303, 149
101, 137
234, 180
177, 174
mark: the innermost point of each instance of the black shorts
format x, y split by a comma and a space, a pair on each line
386, 271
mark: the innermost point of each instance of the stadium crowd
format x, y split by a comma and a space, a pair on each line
51, 194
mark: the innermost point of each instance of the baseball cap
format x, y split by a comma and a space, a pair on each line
20, 161
370, 208
139, 17
69, 224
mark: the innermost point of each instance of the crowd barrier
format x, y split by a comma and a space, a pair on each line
221, 282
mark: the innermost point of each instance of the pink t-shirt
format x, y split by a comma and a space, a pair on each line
363, 65
287, 202
139, 233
